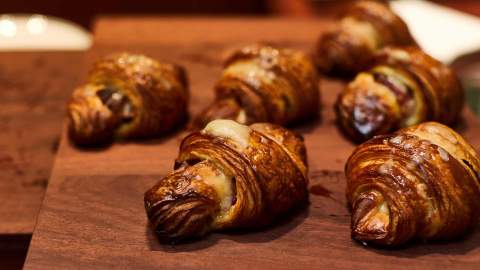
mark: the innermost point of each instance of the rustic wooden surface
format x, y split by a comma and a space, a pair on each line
33, 90
93, 216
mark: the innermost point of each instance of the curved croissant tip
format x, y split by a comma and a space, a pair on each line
88, 127
178, 220
371, 221
75, 124
221, 109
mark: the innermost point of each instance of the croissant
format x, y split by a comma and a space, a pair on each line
405, 87
420, 182
127, 96
264, 84
364, 28
229, 176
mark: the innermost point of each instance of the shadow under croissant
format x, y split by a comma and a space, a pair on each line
308, 125
177, 130
460, 125
418, 247
274, 231
326, 188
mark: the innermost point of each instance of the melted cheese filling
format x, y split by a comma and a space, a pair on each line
241, 117
400, 55
229, 129
221, 183
251, 72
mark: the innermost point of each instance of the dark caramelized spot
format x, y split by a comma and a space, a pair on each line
105, 94
477, 174
186, 163
234, 190
288, 104
118, 103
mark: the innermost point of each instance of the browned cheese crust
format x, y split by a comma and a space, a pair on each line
229, 182
404, 87
420, 182
127, 96
265, 84
364, 28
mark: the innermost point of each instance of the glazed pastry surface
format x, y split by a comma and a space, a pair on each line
229, 176
404, 87
127, 96
420, 182
264, 84
364, 28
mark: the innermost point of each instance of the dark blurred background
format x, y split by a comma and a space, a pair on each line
83, 12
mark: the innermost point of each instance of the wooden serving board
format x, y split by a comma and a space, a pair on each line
33, 89
93, 215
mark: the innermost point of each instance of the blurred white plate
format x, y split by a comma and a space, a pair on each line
21, 32
442, 32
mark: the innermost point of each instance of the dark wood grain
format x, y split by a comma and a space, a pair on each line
93, 216
33, 90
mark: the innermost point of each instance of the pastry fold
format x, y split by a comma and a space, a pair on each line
404, 87
264, 84
420, 182
128, 96
229, 176
363, 28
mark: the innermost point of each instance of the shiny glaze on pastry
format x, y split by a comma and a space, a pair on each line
420, 182
264, 84
404, 87
229, 176
127, 96
364, 28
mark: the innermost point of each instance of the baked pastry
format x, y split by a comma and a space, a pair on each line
420, 182
264, 84
127, 96
229, 176
405, 87
364, 28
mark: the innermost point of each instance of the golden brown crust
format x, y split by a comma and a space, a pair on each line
364, 28
420, 182
268, 177
265, 84
128, 96
404, 87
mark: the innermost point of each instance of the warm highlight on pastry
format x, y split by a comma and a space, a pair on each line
405, 87
229, 176
420, 182
364, 28
265, 84
127, 96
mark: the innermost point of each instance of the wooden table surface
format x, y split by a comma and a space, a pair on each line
93, 217
33, 90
